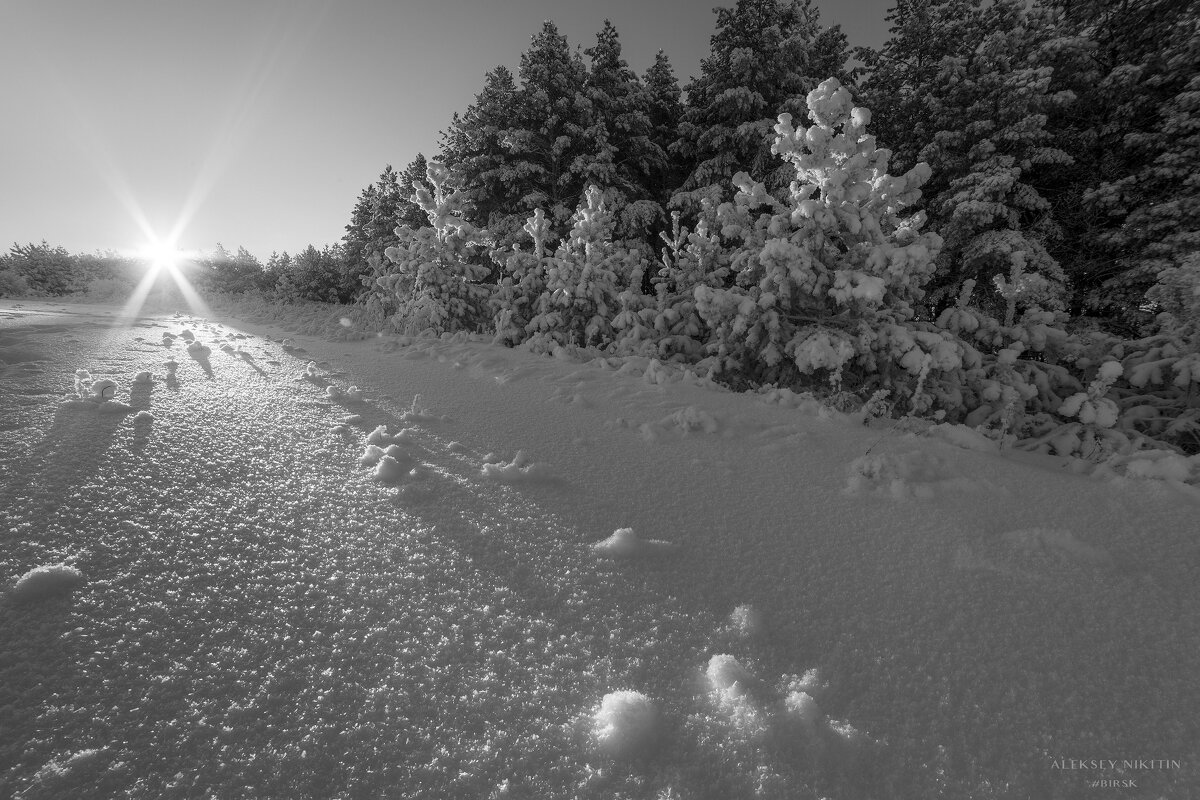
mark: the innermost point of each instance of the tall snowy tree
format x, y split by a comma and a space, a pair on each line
372, 224
619, 153
546, 135
765, 57
1144, 197
968, 89
923, 32
665, 109
474, 149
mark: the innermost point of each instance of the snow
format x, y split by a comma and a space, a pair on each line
626, 723
847, 610
46, 581
624, 543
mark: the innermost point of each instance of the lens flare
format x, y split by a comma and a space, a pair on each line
164, 263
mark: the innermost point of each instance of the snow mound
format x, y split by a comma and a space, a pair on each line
624, 543
142, 377
729, 684
371, 455
801, 707
1060, 542
103, 389
519, 470
961, 436
1162, 465
47, 581
393, 466
172, 366
143, 415
626, 724
199, 350
187, 334
902, 475
684, 421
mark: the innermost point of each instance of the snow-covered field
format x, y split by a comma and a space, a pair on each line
281, 566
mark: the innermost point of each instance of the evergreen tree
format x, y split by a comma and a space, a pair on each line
923, 32
1147, 201
582, 284
373, 222
620, 156
664, 110
473, 147
987, 110
766, 56
522, 283
437, 267
549, 119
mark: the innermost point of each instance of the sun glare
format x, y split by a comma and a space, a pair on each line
163, 278
160, 255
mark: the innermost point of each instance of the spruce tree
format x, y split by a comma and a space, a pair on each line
474, 149
549, 118
1148, 198
372, 224
665, 108
582, 285
437, 268
967, 89
766, 56
619, 154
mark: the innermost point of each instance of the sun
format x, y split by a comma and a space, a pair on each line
160, 255
166, 271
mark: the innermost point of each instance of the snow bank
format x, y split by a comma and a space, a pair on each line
47, 581
625, 725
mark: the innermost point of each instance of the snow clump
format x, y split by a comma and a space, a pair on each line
729, 683
624, 543
519, 470
625, 724
199, 350
46, 581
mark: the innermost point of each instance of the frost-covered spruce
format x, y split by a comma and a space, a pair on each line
581, 294
819, 277
436, 276
523, 281
689, 260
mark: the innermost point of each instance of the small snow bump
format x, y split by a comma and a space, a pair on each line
52, 580
625, 725
625, 543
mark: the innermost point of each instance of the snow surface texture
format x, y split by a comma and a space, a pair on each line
846, 611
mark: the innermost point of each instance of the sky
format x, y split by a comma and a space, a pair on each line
258, 123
